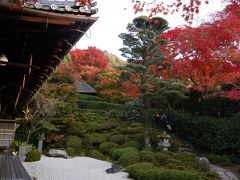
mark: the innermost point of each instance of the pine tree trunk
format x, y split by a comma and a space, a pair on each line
147, 130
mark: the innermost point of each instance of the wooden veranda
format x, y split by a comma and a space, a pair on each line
32, 43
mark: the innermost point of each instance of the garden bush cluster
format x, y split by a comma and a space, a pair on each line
206, 133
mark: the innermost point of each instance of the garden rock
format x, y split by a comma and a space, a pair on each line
114, 169
57, 153
203, 164
23, 150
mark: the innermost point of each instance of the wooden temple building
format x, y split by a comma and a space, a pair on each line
32, 43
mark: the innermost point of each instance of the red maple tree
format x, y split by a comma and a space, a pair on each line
206, 56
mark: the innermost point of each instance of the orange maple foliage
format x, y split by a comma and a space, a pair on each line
206, 56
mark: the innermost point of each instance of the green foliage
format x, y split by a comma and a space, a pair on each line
61, 78
139, 171
120, 151
217, 135
73, 142
70, 151
118, 139
216, 159
96, 154
97, 105
129, 158
186, 158
88, 97
132, 143
148, 156
76, 128
33, 155
96, 139
108, 147
146, 171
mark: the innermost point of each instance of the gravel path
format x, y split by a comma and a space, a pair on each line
78, 168
224, 174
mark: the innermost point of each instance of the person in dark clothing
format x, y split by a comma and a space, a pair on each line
157, 118
164, 123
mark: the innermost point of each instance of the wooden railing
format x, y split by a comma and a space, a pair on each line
7, 132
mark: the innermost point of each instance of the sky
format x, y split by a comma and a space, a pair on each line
114, 15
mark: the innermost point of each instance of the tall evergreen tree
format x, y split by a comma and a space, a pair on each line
142, 50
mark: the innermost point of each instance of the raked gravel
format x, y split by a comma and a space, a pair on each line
77, 168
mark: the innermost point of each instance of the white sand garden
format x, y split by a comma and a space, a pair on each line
77, 168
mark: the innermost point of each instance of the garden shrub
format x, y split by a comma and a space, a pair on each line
148, 156
92, 117
216, 135
147, 171
33, 155
216, 159
88, 97
137, 137
108, 147
162, 158
96, 139
97, 105
75, 128
70, 151
186, 157
132, 143
174, 164
118, 139
139, 171
120, 151
73, 142
95, 154
134, 130
129, 158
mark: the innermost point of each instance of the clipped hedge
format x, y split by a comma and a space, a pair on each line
147, 171
95, 154
120, 151
33, 155
96, 139
73, 142
216, 135
108, 147
132, 143
129, 158
97, 105
118, 139
70, 151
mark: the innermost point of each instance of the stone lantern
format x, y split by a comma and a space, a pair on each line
164, 141
41, 137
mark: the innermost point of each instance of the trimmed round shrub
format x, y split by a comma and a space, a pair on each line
148, 156
120, 151
118, 139
135, 130
132, 143
33, 155
129, 158
108, 147
96, 139
73, 142
95, 154
174, 164
186, 157
76, 128
70, 152
137, 137
139, 171
162, 159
